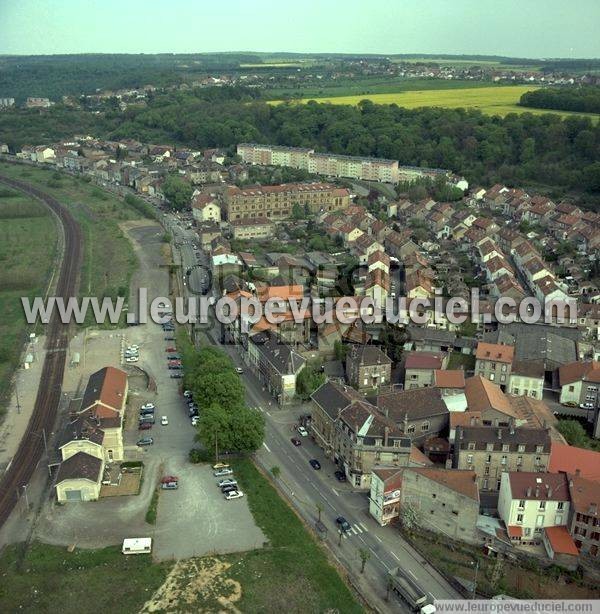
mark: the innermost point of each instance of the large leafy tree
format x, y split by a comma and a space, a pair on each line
178, 192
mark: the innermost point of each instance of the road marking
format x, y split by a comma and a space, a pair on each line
353, 530
395, 556
412, 574
266, 447
378, 539
363, 526
357, 528
335, 492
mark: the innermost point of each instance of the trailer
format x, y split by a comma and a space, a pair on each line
406, 585
137, 545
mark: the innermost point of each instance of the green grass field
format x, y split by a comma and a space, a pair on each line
489, 100
28, 248
366, 86
109, 260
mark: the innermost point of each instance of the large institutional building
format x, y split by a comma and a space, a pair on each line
330, 165
276, 202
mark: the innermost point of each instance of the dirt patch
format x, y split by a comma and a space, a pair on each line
129, 484
196, 585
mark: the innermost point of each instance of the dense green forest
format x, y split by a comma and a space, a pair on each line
523, 149
584, 99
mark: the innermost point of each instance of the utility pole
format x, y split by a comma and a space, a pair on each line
475, 579
26, 497
17, 397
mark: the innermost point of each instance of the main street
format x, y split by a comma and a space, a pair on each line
310, 491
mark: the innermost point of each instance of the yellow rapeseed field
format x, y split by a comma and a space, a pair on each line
490, 100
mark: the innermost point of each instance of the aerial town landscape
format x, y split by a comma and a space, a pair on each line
314, 327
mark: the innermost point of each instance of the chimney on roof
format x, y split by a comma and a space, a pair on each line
512, 426
549, 491
473, 420
499, 433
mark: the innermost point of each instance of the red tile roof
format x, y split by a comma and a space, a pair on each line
535, 486
495, 352
579, 371
560, 541
514, 531
585, 495
570, 459
450, 378
424, 360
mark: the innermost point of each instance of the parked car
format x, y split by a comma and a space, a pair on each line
222, 472
169, 478
569, 404
131, 359
226, 482
230, 488
342, 523
174, 363
220, 466
302, 431
188, 394
174, 367
235, 494
296, 441
586, 406
146, 412
169, 338
195, 420
144, 426
145, 441
170, 485
171, 349
340, 476
164, 421
239, 370
315, 464
133, 347
176, 375
148, 406
174, 357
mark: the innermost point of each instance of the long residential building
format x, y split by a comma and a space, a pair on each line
331, 165
276, 202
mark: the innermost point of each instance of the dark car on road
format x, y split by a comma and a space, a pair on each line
296, 441
340, 476
228, 488
342, 523
144, 426
314, 463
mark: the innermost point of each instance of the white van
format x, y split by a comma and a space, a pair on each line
137, 545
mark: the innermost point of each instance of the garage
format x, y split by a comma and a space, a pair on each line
73, 495
79, 478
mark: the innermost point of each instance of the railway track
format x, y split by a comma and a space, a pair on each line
43, 417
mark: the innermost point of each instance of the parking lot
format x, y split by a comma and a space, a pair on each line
195, 519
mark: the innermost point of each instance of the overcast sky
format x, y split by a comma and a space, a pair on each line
518, 28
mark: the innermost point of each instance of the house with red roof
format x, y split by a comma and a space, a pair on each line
570, 459
530, 502
420, 368
579, 382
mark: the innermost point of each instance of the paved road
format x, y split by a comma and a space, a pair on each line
307, 488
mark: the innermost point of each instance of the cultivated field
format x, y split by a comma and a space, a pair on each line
489, 100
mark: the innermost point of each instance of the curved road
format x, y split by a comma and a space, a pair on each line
43, 417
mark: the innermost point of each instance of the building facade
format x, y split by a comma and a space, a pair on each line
490, 452
277, 201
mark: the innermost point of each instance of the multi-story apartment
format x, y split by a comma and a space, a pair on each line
528, 503
580, 382
368, 367
355, 434
252, 228
585, 517
277, 201
492, 451
331, 165
493, 361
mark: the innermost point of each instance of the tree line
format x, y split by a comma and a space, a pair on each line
580, 99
